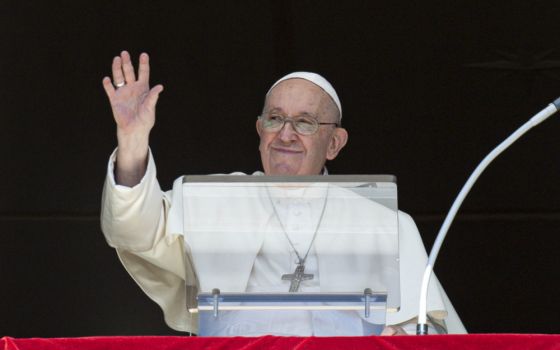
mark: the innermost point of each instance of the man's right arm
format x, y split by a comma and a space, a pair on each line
133, 210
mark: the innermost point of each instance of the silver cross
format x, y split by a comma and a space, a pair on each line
296, 277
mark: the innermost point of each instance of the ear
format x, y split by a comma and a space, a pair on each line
259, 130
338, 141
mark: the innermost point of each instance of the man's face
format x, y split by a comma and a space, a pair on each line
285, 152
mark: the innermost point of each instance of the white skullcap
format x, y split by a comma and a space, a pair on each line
315, 79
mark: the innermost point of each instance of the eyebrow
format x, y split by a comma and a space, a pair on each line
278, 109
305, 114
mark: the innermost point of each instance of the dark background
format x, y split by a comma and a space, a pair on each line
428, 89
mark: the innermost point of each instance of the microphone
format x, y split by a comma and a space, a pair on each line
422, 326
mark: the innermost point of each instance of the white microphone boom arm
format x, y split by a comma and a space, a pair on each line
422, 327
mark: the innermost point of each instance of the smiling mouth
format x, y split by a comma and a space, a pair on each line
286, 150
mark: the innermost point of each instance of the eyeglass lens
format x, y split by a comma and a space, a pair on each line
303, 125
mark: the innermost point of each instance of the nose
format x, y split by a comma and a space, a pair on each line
287, 134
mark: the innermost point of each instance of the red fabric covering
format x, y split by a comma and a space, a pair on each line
433, 342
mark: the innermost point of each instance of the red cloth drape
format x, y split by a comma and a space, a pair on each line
431, 342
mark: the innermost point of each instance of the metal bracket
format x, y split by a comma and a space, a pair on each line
367, 296
216, 297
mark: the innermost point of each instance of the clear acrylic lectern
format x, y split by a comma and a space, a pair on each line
297, 255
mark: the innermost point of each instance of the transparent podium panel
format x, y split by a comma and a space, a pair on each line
295, 235
295, 314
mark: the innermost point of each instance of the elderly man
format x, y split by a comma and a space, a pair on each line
299, 131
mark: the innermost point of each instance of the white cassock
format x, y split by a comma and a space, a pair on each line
171, 258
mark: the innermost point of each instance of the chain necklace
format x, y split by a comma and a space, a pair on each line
299, 274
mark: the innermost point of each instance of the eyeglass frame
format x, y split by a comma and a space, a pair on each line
286, 119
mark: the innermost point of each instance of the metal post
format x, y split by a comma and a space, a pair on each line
367, 296
216, 295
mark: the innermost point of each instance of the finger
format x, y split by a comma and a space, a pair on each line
144, 68
127, 67
153, 96
109, 88
118, 77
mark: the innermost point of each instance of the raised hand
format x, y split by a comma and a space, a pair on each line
133, 104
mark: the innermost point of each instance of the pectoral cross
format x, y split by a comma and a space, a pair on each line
296, 277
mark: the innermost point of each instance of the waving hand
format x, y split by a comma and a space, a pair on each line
133, 104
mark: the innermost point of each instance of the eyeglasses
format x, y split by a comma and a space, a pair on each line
303, 125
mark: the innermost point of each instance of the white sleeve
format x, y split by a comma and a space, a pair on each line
134, 221
131, 217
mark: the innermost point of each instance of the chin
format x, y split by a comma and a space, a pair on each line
283, 170
283, 173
